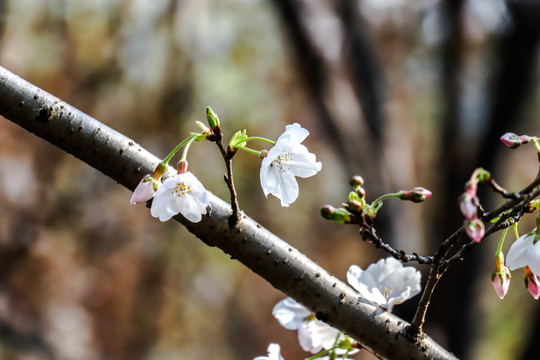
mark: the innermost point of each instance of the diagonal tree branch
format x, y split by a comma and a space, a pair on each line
286, 268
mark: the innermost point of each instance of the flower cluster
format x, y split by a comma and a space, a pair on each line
358, 211
184, 193
384, 284
524, 253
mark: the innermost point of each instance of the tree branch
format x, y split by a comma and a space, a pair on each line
286, 268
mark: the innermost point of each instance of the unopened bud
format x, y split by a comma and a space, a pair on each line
337, 215
356, 205
468, 205
501, 281
532, 283
513, 141
483, 175
212, 119
182, 166
418, 194
356, 181
475, 230
355, 202
533, 206
263, 153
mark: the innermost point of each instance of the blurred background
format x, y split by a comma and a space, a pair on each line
402, 92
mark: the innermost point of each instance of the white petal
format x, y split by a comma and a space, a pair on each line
280, 184
163, 205
289, 189
294, 134
322, 335
384, 267
403, 284
363, 282
534, 256
273, 353
269, 180
191, 208
355, 273
306, 340
290, 314
517, 256
303, 163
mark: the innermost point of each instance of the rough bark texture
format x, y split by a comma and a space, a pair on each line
276, 261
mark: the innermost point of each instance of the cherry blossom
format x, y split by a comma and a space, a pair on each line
184, 194
273, 353
525, 251
313, 335
385, 283
287, 159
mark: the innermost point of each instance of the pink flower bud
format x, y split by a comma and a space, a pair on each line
532, 283
338, 215
475, 230
501, 281
182, 166
467, 205
145, 190
513, 141
148, 186
356, 180
263, 153
418, 194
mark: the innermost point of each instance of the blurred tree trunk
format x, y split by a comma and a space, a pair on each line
313, 72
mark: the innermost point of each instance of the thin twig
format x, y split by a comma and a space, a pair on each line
499, 189
234, 219
416, 327
517, 204
506, 220
370, 232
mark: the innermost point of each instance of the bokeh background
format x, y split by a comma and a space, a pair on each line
402, 92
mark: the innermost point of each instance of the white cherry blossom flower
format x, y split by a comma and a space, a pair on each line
525, 252
313, 335
182, 193
273, 353
385, 283
287, 159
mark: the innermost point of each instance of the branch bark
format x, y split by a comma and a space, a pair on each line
286, 268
